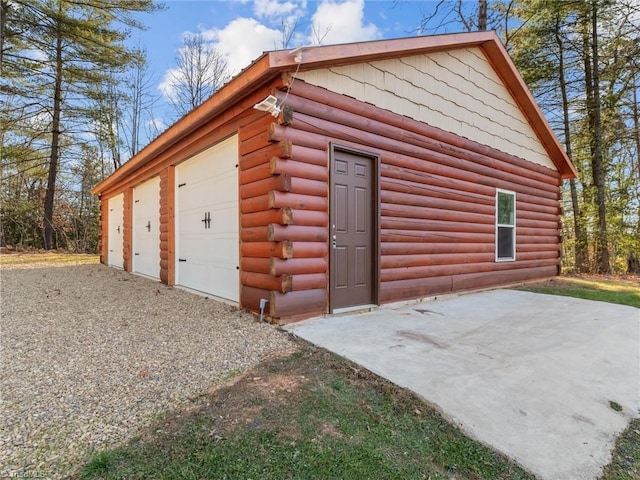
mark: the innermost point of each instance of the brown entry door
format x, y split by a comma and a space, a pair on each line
352, 230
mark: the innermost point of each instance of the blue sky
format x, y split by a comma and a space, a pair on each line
242, 29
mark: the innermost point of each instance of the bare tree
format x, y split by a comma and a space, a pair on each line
200, 71
485, 15
287, 30
318, 36
139, 87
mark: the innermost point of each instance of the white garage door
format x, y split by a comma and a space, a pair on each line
207, 234
115, 237
146, 228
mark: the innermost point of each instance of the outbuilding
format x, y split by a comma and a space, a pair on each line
341, 177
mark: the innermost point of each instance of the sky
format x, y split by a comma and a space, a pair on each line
242, 29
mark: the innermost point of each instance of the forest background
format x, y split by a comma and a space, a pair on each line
77, 101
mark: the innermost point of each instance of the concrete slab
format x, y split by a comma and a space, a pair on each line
530, 375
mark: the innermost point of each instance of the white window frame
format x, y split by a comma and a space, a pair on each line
513, 227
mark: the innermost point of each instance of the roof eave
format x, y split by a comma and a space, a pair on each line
271, 64
504, 66
335, 55
239, 87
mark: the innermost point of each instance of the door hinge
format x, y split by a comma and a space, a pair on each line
136, 253
136, 201
181, 184
182, 259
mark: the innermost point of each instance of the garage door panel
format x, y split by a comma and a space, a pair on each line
146, 228
115, 236
207, 221
209, 192
203, 277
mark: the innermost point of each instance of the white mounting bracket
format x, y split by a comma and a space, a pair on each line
297, 53
269, 104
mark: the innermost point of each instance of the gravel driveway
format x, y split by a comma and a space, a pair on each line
90, 354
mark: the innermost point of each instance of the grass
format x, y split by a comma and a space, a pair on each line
604, 289
315, 415
625, 464
16, 259
309, 415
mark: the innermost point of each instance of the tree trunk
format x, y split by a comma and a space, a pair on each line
636, 123
602, 251
54, 157
482, 15
592, 86
4, 10
581, 245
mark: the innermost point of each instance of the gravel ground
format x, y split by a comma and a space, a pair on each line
90, 354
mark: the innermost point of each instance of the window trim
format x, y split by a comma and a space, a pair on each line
513, 227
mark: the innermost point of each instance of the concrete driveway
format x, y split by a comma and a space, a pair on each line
534, 376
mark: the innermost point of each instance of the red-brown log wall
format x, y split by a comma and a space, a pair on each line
167, 226
283, 225
437, 198
437, 202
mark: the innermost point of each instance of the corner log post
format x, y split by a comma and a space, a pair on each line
284, 221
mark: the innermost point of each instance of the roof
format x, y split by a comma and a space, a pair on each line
271, 64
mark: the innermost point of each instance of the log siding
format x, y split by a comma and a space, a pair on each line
437, 198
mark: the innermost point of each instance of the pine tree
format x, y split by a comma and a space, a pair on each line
57, 55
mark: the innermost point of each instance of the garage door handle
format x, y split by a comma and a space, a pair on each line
149, 226
207, 220
182, 259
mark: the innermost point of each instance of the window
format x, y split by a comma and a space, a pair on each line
505, 225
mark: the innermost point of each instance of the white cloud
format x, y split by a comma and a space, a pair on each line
341, 22
167, 84
242, 41
156, 125
274, 9
239, 42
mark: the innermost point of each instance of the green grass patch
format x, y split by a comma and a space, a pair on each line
620, 291
625, 464
310, 415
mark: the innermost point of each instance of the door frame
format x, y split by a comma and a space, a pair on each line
375, 221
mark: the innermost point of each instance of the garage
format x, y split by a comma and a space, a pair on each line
146, 228
116, 231
353, 176
207, 232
